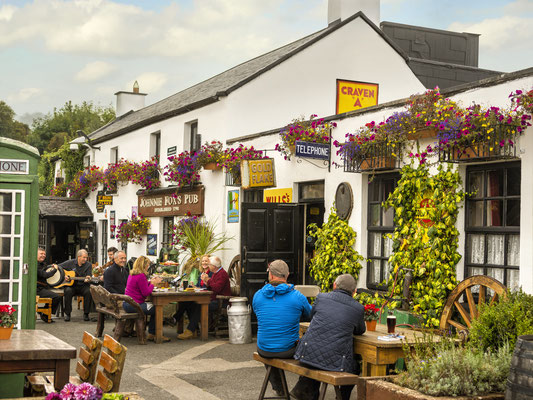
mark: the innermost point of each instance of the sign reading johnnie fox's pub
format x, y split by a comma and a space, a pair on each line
172, 202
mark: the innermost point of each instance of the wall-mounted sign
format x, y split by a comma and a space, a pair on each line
319, 151
134, 211
258, 173
14, 166
151, 244
353, 95
172, 151
171, 201
283, 195
233, 206
344, 200
102, 201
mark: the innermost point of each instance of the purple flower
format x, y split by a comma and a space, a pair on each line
67, 393
53, 396
86, 391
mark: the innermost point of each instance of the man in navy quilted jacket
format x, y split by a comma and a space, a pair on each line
278, 307
328, 343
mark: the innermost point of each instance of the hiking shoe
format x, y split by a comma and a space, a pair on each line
186, 335
151, 338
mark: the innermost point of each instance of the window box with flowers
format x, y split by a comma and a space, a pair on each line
8, 318
132, 230
211, 156
312, 130
183, 169
233, 159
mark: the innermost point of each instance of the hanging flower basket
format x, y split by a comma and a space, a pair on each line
132, 230
212, 166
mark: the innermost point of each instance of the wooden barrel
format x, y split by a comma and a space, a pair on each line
520, 380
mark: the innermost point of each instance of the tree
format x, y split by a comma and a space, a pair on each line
11, 128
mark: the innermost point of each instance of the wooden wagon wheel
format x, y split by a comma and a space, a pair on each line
465, 288
234, 272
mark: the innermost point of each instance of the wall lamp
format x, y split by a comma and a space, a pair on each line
82, 140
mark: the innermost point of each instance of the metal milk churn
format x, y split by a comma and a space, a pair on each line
239, 321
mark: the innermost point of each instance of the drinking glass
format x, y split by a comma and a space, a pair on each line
391, 323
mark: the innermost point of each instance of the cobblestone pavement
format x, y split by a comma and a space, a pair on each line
184, 370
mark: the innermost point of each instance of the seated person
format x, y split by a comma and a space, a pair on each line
328, 343
116, 275
83, 268
110, 255
278, 307
219, 284
43, 289
139, 288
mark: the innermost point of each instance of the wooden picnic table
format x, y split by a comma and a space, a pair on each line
36, 351
377, 354
161, 298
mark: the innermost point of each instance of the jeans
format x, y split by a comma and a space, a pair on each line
151, 312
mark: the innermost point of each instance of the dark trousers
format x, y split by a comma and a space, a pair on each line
275, 375
195, 313
307, 388
78, 290
47, 293
148, 312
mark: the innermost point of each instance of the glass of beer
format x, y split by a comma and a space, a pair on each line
185, 284
391, 323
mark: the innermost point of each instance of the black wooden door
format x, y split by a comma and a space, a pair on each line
88, 239
269, 231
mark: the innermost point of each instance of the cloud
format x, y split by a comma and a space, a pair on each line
7, 12
149, 82
94, 71
25, 95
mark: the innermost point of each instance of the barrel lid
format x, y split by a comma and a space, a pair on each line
238, 299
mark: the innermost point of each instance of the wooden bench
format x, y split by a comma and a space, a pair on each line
337, 379
111, 304
112, 360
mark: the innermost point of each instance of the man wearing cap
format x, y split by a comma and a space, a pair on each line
328, 343
278, 307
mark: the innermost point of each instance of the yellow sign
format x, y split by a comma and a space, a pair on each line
277, 195
258, 173
355, 95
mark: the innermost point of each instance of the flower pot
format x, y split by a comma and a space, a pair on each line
292, 149
212, 166
385, 162
422, 133
5, 333
371, 325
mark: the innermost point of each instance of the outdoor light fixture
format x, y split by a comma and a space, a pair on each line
82, 140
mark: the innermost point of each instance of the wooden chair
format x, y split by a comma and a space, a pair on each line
111, 304
44, 305
220, 317
86, 367
112, 361
61, 309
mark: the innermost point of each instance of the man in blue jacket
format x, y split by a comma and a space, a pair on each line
328, 343
278, 307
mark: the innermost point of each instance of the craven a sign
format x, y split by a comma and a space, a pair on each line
172, 202
353, 95
258, 173
14, 167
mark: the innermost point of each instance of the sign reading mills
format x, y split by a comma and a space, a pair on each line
171, 201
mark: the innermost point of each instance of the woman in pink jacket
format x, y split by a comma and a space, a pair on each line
139, 288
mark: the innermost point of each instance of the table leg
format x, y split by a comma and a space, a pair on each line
204, 328
159, 324
61, 374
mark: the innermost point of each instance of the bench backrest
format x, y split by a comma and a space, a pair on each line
88, 357
102, 298
112, 361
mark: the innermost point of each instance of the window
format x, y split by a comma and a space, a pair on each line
193, 138
493, 222
252, 196
168, 222
380, 222
310, 192
113, 158
155, 144
87, 161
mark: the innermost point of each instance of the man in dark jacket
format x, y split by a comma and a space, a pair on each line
83, 268
278, 307
116, 275
328, 343
43, 289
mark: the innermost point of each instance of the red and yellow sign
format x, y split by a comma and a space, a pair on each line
277, 195
353, 95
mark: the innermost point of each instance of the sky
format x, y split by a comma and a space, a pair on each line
54, 51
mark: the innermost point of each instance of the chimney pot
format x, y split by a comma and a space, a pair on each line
136, 87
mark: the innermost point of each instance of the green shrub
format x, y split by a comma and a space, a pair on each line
447, 370
503, 322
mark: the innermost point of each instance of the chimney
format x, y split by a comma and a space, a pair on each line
339, 10
129, 101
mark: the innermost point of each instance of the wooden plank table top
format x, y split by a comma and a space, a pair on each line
161, 298
377, 354
36, 351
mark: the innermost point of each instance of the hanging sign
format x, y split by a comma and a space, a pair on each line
102, 201
258, 173
170, 202
353, 95
319, 151
171, 151
277, 195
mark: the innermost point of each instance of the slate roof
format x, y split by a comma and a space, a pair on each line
220, 85
63, 207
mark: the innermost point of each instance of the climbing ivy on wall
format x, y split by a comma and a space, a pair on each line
334, 251
425, 238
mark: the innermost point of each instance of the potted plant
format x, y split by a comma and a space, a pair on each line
211, 156
371, 316
183, 169
132, 230
233, 157
312, 130
83, 391
84, 182
8, 319
147, 174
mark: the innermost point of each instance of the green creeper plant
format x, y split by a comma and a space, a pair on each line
425, 238
334, 251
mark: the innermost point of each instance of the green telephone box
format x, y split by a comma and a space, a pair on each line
19, 230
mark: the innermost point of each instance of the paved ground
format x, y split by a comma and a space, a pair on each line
184, 370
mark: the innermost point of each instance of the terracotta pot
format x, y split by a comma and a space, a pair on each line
292, 149
371, 325
212, 166
422, 133
378, 163
5, 333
